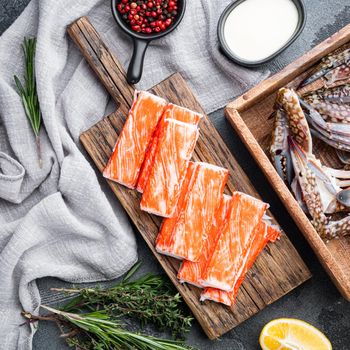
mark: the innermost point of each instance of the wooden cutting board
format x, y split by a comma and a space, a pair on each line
277, 271
250, 115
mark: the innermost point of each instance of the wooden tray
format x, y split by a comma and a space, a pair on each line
249, 115
272, 276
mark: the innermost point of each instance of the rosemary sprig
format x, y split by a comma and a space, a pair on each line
150, 299
28, 92
103, 333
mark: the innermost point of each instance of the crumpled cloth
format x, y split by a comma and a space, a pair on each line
61, 220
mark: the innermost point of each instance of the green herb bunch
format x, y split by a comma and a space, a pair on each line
150, 299
92, 319
28, 91
103, 333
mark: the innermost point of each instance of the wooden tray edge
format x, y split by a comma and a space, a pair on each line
315, 241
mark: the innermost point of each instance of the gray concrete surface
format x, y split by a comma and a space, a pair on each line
317, 301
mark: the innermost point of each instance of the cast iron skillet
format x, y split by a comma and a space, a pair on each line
227, 51
142, 40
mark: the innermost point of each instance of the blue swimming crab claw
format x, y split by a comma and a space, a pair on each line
279, 149
320, 193
299, 129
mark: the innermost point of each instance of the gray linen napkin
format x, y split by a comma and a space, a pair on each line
59, 220
55, 221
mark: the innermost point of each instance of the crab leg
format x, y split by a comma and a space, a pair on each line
339, 173
327, 185
338, 94
295, 186
330, 142
279, 149
342, 177
343, 156
341, 73
298, 125
336, 135
327, 64
307, 181
315, 118
337, 112
332, 131
338, 139
337, 228
343, 183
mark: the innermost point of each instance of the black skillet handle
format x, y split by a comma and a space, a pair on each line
136, 64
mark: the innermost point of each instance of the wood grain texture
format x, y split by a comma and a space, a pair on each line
271, 277
250, 116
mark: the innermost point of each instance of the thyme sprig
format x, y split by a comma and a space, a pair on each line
28, 91
150, 299
101, 332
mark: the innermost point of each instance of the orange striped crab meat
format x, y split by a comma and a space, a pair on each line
174, 150
190, 233
191, 272
171, 112
263, 235
130, 150
223, 269
166, 231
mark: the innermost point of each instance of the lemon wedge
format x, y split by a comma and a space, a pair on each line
292, 334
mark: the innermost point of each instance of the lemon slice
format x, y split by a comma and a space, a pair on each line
292, 334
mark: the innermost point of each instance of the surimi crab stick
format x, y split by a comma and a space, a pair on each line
218, 236
264, 235
130, 150
171, 112
191, 272
224, 266
174, 150
190, 233
166, 231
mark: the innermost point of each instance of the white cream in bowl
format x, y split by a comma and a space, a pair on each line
256, 29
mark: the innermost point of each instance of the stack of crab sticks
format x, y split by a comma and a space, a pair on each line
217, 236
